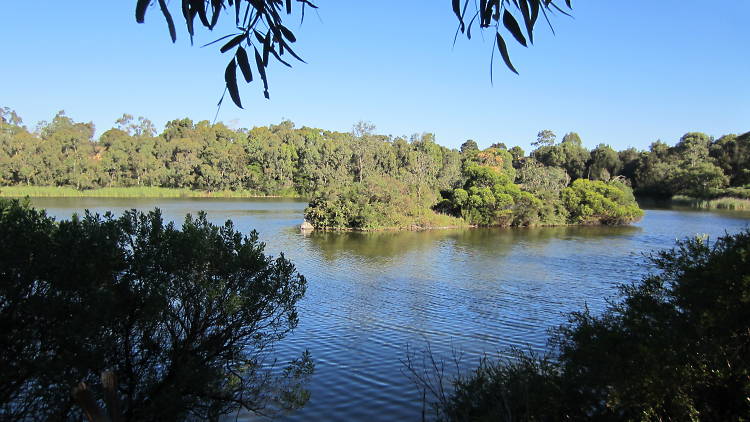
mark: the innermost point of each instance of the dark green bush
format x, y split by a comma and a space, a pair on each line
183, 317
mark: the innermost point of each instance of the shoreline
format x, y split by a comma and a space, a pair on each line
128, 193
415, 228
732, 203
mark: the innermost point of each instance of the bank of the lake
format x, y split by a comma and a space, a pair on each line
683, 202
726, 203
370, 295
129, 192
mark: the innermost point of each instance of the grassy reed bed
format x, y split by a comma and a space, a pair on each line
122, 192
726, 203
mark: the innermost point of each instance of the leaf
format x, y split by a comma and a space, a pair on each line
457, 8
217, 40
189, 14
198, 5
560, 10
288, 7
287, 33
140, 10
468, 27
512, 25
496, 15
230, 77
262, 71
261, 39
168, 17
217, 4
234, 42
485, 16
534, 11
457, 11
527, 20
275, 54
504, 52
544, 12
244, 64
266, 48
283, 44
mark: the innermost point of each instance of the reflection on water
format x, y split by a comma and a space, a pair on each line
476, 290
385, 245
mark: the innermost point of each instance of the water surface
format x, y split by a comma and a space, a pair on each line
370, 295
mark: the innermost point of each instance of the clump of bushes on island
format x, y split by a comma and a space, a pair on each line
377, 203
486, 195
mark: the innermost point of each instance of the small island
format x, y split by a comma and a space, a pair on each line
490, 192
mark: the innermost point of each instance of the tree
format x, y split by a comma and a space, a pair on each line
517, 153
573, 138
629, 159
74, 143
545, 182
699, 180
261, 30
570, 154
9, 117
732, 154
544, 138
185, 318
469, 146
604, 163
141, 127
362, 148
693, 147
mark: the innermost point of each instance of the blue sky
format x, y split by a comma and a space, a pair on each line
620, 72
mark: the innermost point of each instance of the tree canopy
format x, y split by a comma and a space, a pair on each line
261, 31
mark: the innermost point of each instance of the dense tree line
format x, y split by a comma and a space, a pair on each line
274, 160
697, 165
360, 179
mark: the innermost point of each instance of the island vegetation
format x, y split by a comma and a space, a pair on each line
364, 181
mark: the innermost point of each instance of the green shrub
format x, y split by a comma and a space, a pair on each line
376, 203
597, 202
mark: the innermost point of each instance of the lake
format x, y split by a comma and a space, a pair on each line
471, 291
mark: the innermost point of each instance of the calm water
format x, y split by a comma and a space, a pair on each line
476, 291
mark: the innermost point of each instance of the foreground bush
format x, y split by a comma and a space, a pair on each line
675, 348
184, 318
